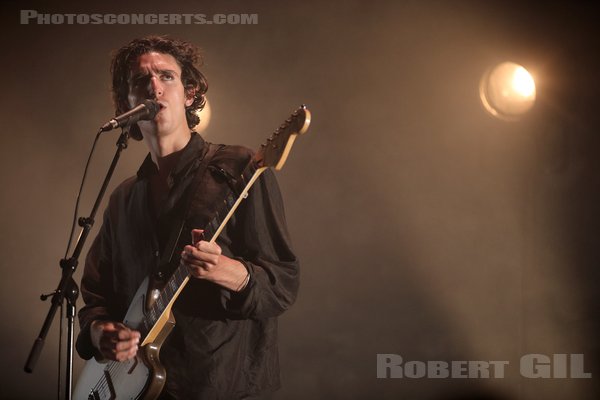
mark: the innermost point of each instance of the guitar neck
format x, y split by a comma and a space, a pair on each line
273, 153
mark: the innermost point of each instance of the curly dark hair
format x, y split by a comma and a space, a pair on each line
187, 56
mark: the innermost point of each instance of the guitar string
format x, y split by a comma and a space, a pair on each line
115, 369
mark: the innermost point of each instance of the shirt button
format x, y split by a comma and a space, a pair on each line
156, 253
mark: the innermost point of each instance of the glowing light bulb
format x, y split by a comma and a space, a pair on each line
507, 91
523, 83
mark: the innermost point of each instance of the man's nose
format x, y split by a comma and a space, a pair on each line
155, 88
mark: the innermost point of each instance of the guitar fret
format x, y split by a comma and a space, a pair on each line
175, 278
159, 303
153, 315
172, 287
181, 272
214, 225
146, 327
164, 299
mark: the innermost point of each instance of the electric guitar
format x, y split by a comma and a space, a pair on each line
143, 377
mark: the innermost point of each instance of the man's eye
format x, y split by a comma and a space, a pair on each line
167, 77
139, 81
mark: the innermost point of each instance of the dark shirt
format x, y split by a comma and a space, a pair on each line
224, 344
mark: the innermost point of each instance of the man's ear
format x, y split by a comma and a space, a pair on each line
190, 92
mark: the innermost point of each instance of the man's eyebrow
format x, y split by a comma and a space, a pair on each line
171, 71
141, 74
136, 76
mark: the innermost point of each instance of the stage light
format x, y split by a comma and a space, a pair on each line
204, 116
507, 91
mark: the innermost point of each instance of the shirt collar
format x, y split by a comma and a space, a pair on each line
192, 151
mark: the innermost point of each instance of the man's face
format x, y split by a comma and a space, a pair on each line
157, 76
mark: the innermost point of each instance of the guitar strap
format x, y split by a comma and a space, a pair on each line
196, 190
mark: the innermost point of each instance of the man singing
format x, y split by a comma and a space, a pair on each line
224, 343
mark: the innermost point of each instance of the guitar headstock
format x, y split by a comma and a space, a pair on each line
274, 152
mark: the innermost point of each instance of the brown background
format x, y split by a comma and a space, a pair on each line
425, 227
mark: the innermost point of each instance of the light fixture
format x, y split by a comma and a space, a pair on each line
507, 91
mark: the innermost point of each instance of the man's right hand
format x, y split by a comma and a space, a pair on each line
114, 340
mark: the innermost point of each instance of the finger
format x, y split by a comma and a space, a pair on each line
202, 266
110, 336
126, 355
208, 247
197, 235
126, 334
193, 255
115, 336
109, 341
197, 272
126, 345
120, 325
105, 326
199, 268
119, 351
132, 352
111, 327
116, 340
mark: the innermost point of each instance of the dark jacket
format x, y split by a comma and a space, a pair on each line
224, 344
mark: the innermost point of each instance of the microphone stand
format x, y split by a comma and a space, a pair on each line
67, 288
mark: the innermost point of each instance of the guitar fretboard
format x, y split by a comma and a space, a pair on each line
164, 297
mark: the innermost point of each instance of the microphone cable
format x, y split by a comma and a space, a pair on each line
85, 171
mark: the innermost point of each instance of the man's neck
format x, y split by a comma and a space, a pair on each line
162, 146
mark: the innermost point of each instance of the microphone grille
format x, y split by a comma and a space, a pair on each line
153, 108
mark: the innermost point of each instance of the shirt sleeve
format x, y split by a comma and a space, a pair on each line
95, 289
260, 240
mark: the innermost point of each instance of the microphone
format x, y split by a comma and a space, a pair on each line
142, 112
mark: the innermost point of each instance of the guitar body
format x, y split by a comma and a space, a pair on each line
142, 377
